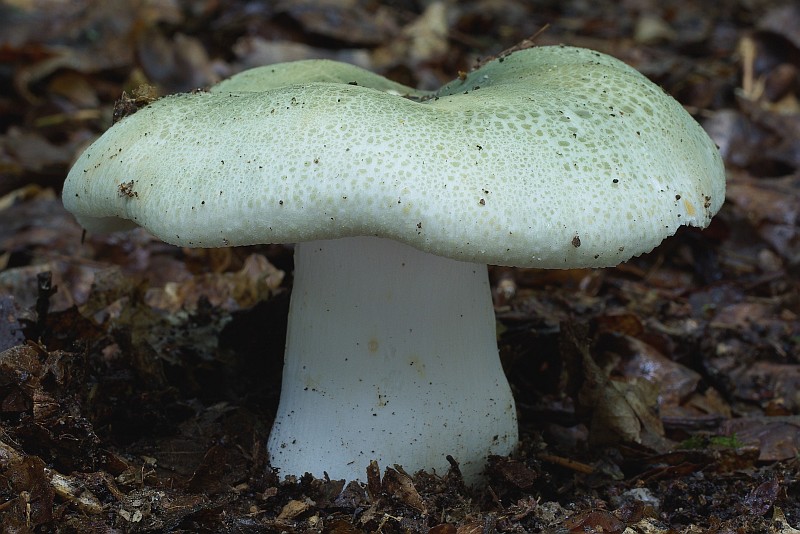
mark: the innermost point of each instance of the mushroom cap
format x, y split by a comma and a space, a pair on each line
311, 71
548, 157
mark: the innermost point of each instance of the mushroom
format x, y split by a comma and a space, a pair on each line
551, 157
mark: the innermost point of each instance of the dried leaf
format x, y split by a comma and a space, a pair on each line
512, 471
373, 480
27, 480
399, 486
761, 498
674, 382
620, 409
207, 478
292, 509
73, 490
347, 21
777, 438
779, 523
594, 521
256, 281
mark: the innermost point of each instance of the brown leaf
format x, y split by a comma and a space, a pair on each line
424, 40
784, 21
738, 138
292, 509
207, 478
340, 526
778, 438
44, 406
631, 511
512, 471
178, 63
620, 323
399, 486
348, 22
675, 382
255, 281
620, 409
20, 370
594, 521
34, 152
473, 527
780, 524
373, 480
74, 491
765, 381
765, 200
639, 398
26, 478
761, 498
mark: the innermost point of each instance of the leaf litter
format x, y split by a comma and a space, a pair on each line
137, 380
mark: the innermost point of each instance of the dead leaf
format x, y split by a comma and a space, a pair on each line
784, 21
779, 523
34, 496
674, 382
256, 281
594, 521
512, 471
399, 486
178, 63
621, 409
777, 438
762, 498
345, 20
11, 333
292, 509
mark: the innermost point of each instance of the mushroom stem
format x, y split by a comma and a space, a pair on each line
391, 355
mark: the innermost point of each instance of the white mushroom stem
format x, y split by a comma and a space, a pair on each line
391, 355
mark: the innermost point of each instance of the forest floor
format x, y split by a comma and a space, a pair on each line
138, 380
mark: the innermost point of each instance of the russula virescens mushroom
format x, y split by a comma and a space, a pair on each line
548, 157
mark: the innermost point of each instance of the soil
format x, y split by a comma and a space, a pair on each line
138, 380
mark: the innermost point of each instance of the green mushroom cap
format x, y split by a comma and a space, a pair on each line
548, 157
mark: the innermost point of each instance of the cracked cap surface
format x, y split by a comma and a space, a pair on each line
548, 157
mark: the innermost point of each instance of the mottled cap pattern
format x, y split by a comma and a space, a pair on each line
547, 157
